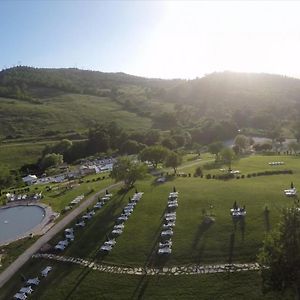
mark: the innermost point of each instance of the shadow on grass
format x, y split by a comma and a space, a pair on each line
243, 227
80, 277
267, 219
140, 288
88, 243
231, 247
202, 228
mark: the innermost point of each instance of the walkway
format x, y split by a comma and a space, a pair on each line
27, 254
175, 270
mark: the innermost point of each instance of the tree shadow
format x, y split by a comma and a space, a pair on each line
140, 288
202, 228
267, 219
243, 227
231, 247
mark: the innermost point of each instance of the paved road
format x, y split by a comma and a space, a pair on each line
26, 255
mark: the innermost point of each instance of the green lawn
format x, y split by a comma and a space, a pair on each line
193, 241
15, 156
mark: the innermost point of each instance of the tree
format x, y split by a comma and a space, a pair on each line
242, 141
280, 254
262, 146
128, 171
215, 148
51, 160
293, 146
173, 160
169, 143
131, 147
154, 154
152, 137
228, 156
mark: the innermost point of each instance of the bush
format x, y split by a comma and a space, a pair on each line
243, 176
208, 176
225, 176
198, 172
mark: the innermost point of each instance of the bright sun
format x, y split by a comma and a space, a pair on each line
194, 38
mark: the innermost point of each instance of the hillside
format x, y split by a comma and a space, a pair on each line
36, 102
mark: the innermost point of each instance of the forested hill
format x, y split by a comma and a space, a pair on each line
72, 99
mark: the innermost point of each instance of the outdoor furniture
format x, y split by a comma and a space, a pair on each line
165, 244
119, 226
64, 243
106, 248
166, 250
117, 231
20, 296
26, 290
110, 243
169, 225
33, 281
45, 272
239, 212
70, 237
167, 233
290, 192
60, 247
69, 231
80, 224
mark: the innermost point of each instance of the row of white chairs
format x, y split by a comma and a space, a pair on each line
120, 223
165, 245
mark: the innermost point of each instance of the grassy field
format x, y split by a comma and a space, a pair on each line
10, 252
63, 113
193, 242
15, 156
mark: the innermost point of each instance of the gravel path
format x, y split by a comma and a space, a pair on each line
173, 270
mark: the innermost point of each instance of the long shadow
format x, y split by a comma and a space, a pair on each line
231, 247
267, 219
243, 227
102, 225
140, 288
84, 273
202, 228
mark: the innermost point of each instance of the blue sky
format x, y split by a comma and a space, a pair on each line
91, 34
168, 39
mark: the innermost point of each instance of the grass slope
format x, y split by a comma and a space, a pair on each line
63, 113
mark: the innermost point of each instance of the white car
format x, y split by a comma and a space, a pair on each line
46, 271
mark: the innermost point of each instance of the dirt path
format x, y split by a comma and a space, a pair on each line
26, 255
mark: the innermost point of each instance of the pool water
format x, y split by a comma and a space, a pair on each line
16, 221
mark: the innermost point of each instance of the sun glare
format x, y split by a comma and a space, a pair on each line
194, 38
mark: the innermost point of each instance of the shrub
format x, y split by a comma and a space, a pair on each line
243, 176
198, 172
225, 176
208, 176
